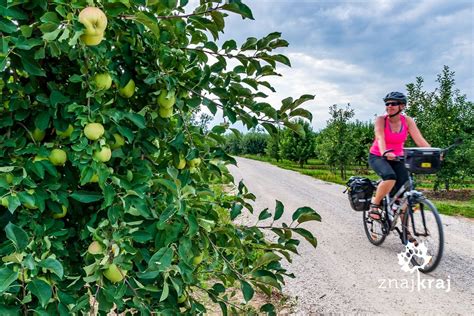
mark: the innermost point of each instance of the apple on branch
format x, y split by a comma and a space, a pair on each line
95, 22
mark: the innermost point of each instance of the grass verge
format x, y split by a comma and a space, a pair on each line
318, 170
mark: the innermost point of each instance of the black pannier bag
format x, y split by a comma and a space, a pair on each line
360, 191
423, 159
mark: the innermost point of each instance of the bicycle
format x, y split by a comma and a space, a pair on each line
420, 221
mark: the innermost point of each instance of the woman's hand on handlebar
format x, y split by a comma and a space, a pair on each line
390, 156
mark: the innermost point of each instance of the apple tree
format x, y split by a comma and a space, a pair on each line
111, 197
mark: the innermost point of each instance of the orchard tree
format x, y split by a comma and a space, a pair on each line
361, 137
111, 197
334, 142
443, 116
296, 146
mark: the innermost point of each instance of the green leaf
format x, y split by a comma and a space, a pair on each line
53, 265
297, 128
17, 235
31, 66
7, 277
109, 195
41, 290
302, 113
302, 210
266, 258
86, 196
282, 59
239, 8
136, 119
264, 215
42, 120
7, 26
307, 235
247, 290
279, 208
51, 36
309, 217
165, 292
149, 20
57, 97
161, 260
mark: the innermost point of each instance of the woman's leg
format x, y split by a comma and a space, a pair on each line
382, 167
383, 189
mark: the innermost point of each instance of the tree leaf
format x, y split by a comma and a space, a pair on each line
161, 260
307, 235
149, 20
7, 277
264, 215
300, 211
266, 258
247, 290
41, 290
86, 196
31, 66
279, 208
17, 235
136, 119
302, 113
53, 265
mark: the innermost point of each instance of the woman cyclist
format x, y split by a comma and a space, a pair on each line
391, 131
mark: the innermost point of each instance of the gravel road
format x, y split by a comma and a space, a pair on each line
347, 274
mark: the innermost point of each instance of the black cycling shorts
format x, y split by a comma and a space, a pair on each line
389, 170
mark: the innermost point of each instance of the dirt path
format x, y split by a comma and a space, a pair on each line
347, 274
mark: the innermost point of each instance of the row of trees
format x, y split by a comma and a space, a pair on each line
443, 115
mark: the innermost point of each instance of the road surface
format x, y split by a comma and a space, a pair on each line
347, 274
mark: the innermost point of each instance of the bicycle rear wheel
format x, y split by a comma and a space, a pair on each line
374, 229
423, 223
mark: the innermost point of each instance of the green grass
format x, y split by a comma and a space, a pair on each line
460, 208
316, 169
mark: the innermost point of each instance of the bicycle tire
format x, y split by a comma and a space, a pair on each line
374, 228
423, 222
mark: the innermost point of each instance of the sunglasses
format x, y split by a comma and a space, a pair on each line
393, 103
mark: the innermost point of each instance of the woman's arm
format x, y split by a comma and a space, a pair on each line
379, 129
416, 134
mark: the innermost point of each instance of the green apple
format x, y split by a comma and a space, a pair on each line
195, 162
114, 274
94, 179
182, 298
198, 259
95, 22
38, 134
128, 90
165, 112
119, 141
181, 163
95, 248
62, 214
58, 157
103, 81
94, 131
9, 178
166, 101
104, 154
67, 133
5, 202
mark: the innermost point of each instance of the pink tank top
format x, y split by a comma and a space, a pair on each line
393, 140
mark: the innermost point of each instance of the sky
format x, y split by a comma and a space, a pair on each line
357, 51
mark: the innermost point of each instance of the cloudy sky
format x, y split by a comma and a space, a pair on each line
357, 51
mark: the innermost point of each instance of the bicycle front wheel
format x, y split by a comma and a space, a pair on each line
422, 226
